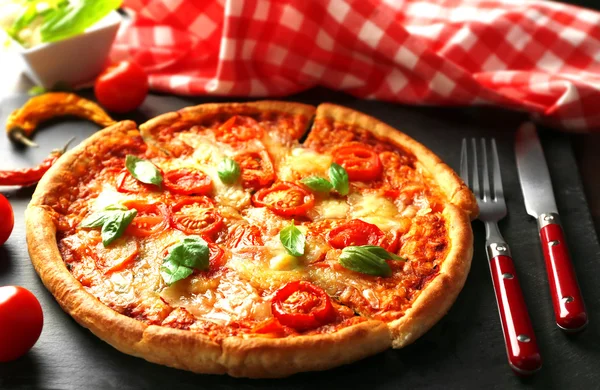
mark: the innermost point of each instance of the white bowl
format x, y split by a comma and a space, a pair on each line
73, 60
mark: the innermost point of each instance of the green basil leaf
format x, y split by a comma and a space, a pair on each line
115, 224
172, 272
143, 170
75, 18
380, 252
95, 220
191, 252
118, 207
99, 218
339, 179
359, 259
317, 183
293, 240
228, 171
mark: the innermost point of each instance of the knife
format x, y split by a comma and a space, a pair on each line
569, 308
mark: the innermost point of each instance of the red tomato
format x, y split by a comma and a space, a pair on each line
244, 235
360, 161
118, 256
151, 218
302, 306
21, 321
355, 232
126, 183
188, 182
8, 219
215, 259
257, 169
239, 128
196, 215
285, 199
121, 87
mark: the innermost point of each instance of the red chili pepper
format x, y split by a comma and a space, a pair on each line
28, 176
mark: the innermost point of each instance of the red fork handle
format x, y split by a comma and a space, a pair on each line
569, 308
521, 346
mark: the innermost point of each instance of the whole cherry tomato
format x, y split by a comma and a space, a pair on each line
21, 321
121, 87
7, 219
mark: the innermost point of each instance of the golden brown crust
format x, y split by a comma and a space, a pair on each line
435, 300
189, 116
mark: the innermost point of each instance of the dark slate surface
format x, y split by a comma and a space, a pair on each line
464, 350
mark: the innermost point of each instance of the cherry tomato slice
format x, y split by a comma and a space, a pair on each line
361, 162
121, 87
355, 232
187, 181
8, 219
196, 215
239, 128
151, 218
118, 256
216, 259
128, 184
302, 306
285, 199
21, 321
244, 235
257, 169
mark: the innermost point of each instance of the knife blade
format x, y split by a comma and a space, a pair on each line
569, 308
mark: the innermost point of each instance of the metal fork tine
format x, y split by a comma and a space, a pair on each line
498, 192
486, 173
475, 187
464, 162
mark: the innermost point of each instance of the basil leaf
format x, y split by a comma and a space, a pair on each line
228, 171
75, 18
99, 218
359, 259
380, 252
293, 240
172, 272
115, 224
317, 183
339, 179
191, 252
95, 220
143, 170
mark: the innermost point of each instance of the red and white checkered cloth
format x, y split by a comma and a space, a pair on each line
538, 56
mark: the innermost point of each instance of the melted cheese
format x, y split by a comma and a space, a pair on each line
330, 208
302, 163
375, 209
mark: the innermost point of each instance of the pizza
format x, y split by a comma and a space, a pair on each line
252, 239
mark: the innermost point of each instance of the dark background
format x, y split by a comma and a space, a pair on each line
464, 350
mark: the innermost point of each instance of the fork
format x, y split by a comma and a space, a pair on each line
521, 346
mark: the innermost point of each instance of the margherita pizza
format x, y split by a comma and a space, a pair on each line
212, 240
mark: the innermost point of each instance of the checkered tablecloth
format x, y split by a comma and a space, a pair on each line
538, 56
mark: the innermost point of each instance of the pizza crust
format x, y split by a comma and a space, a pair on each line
439, 295
245, 356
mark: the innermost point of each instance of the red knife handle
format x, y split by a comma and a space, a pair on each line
569, 308
521, 346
